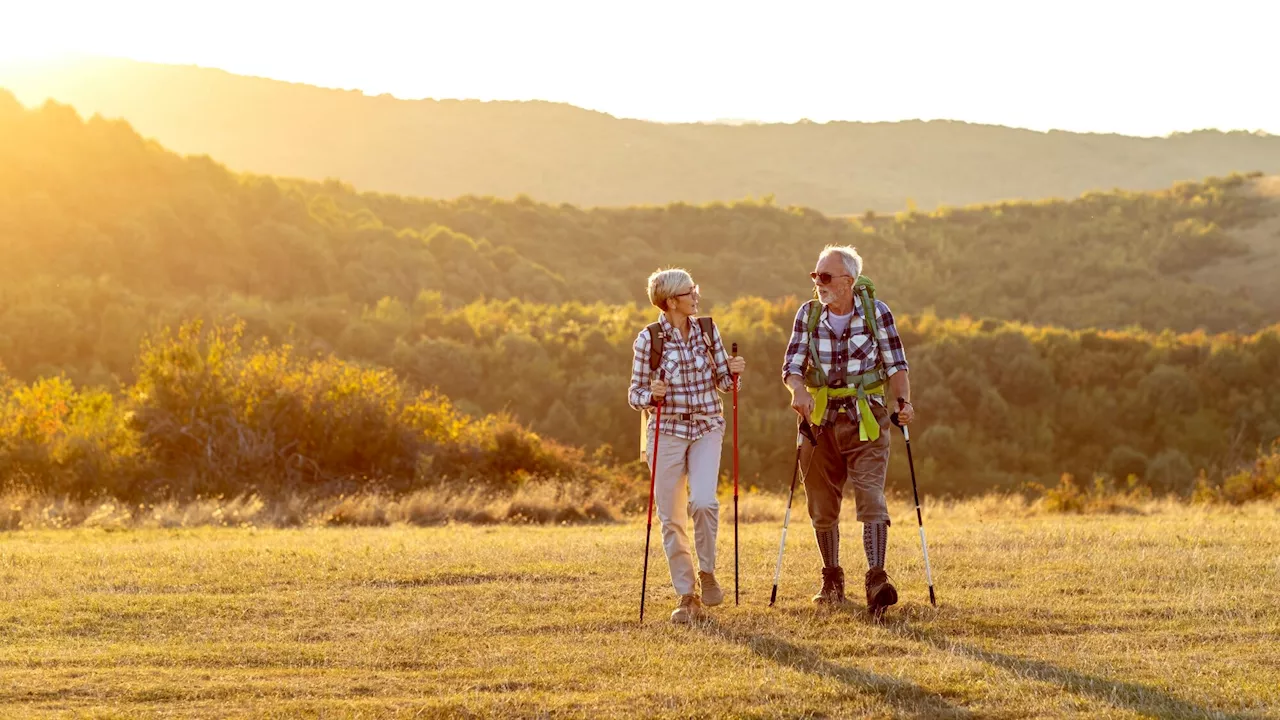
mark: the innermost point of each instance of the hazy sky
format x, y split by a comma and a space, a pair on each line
1142, 68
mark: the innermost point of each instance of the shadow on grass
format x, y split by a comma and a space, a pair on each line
905, 697
449, 579
1138, 698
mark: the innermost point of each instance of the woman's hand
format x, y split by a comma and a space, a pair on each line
737, 365
659, 389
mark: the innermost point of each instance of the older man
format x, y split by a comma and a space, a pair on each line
844, 351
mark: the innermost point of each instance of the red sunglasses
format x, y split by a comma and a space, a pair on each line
825, 278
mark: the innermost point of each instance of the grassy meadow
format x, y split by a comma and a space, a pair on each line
1165, 610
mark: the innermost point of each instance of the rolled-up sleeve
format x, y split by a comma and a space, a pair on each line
638, 395
892, 355
798, 348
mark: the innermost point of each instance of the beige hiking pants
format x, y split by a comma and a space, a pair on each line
697, 461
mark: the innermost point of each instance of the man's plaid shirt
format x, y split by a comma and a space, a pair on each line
692, 380
849, 355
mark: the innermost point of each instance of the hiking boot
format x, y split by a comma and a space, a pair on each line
880, 592
712, 595
832, 592
689, 610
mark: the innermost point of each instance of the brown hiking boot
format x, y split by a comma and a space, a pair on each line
689, 610
880, 592
712, 595
832, 592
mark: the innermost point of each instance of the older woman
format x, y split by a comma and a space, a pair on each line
692, 367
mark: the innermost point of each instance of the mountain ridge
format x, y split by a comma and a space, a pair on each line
556, 152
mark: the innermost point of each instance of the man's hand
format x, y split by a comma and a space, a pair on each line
659, 389
905, 413
900, 390
801, 400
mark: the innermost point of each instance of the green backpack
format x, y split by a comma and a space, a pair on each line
864, 289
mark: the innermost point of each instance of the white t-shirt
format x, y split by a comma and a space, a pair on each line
839, 323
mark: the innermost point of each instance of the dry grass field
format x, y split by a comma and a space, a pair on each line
1163, 611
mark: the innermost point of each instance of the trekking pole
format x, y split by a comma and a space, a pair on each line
653, 478
735, 482
924, 547
786, 519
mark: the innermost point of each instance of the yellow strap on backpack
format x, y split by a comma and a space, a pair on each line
864, 386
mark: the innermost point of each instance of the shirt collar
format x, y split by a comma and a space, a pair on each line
667, 328
695, 330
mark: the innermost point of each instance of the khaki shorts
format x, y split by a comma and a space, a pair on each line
841, 460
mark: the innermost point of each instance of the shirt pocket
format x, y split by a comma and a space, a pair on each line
861, 346
670, 367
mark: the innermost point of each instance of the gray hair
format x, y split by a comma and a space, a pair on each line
848, 254
664, 284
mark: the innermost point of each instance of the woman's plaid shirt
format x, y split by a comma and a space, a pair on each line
692, 380
849, 355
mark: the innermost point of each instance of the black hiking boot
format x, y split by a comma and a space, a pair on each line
880, 592
832, 592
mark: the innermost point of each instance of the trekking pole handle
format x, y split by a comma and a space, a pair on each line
804, 429
906, 434
902, 403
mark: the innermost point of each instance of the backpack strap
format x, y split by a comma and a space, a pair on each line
814, 376
815, 312
656, 338
708, 327
866, 290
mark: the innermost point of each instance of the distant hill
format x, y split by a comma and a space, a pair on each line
1255, 272
91, 202
560, 153
531, 309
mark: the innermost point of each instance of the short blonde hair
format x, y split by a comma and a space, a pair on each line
664, 284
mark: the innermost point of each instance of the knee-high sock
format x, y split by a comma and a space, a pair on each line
829, 546
875, 540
